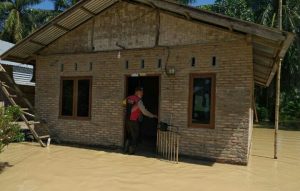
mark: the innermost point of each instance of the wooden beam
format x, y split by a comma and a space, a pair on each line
61, 27
260, 83
263, 61
261, 74
266, 42
273, 72
264, 54
151, 4
260, 79
261, 68
36, 42
286, 44
264, 49
15, 59
187, 16
29, 59
277, 105
254, 108
87, 11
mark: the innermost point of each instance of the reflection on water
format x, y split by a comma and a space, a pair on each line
66, 168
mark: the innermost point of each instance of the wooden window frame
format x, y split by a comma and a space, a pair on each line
213, 100
75, 97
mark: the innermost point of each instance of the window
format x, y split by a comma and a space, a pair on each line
202, 100
159, 63
142, 63
75, 101
193, 62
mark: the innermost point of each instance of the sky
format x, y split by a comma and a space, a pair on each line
47, 4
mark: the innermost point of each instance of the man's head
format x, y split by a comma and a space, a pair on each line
139, 92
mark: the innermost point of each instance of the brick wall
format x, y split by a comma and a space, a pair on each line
229, 141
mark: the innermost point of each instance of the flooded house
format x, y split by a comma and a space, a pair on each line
197, 69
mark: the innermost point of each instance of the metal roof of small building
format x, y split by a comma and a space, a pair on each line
269, 44
22, 73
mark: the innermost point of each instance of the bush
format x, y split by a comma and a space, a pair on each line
9, 129
262, 113
290, 107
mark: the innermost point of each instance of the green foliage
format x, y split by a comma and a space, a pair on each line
61, 5
40, 17
265, 12
17, 21
186, 2
233, 8
9, 129
291, 105
262, 112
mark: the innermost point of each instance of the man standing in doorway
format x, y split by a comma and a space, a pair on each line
135, 110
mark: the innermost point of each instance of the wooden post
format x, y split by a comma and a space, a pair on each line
255, 110
277, 107
280, 14
157, 141
177, 148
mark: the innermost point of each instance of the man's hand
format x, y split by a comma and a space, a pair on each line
155, 116
124, 102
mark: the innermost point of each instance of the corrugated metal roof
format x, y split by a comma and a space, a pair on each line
23, 76
4, 46
269, 44
22, 73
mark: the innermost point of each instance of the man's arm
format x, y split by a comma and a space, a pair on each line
144, 110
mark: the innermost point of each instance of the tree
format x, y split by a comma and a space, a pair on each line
186, 1
40, 17
265, 12
9, 129
16, 17
290, 81
61, 5
233, 8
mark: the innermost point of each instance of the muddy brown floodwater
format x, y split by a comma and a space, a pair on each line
66, 168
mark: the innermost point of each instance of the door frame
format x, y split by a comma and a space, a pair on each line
126, 77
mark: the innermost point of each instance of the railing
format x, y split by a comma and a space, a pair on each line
168, 144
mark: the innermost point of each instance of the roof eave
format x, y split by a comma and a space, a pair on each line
285, 46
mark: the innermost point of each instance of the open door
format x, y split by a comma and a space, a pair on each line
148, 126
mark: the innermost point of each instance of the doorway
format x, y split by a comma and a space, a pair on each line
148, 126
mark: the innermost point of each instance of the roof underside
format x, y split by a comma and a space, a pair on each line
269, 45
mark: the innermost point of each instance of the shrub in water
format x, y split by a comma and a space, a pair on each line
9, 129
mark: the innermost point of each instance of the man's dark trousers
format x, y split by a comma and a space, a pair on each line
132, 128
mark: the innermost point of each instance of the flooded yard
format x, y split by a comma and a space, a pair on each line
30, 167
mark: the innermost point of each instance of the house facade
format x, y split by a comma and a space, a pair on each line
205, 75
